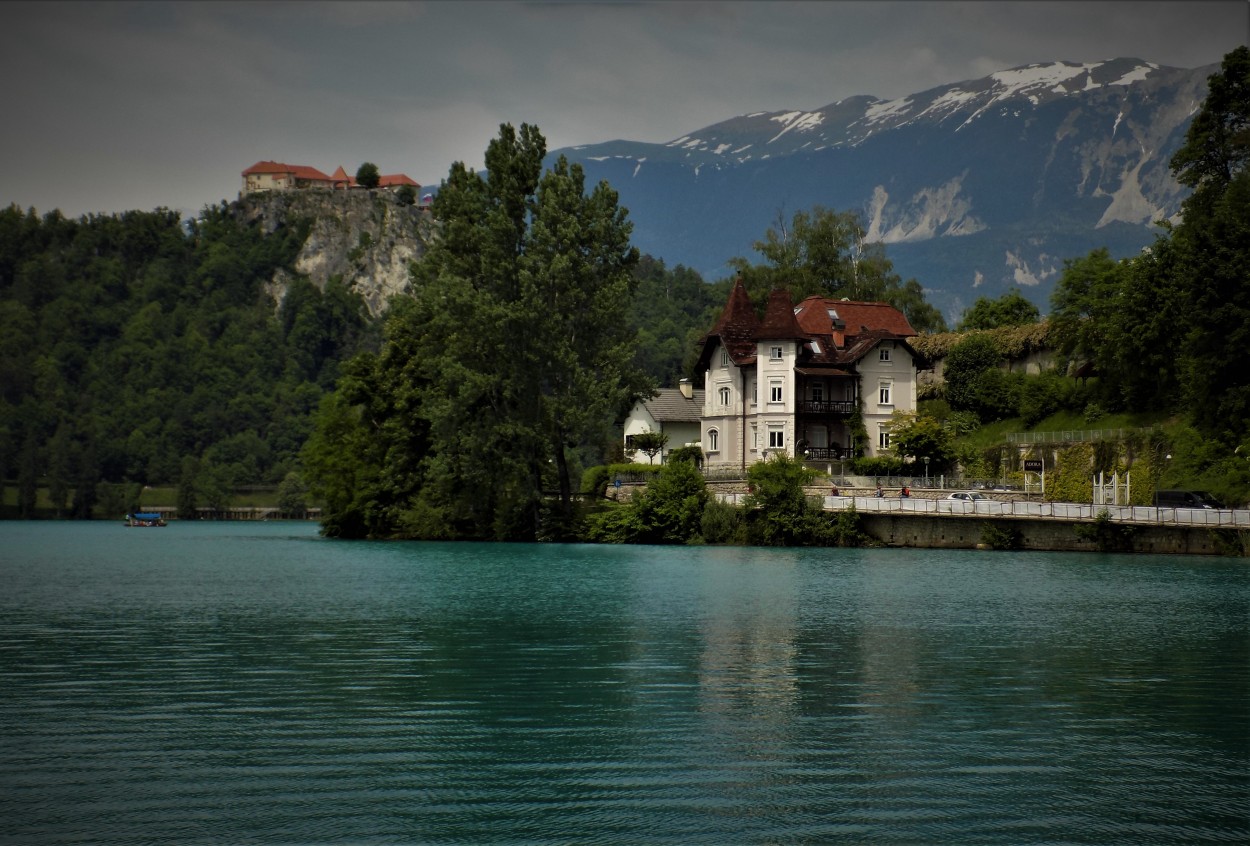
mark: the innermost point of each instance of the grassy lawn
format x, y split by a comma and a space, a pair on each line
152, 497
993, 434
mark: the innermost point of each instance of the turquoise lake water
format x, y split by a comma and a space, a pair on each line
252, 683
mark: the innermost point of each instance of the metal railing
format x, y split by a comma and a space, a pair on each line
840, 407
1074, 436
1067, 511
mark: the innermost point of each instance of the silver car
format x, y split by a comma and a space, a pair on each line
969, 496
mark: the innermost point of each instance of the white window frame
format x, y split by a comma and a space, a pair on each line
885, 354
776, 436
884, 393
776, 391
724, 396
755, 437
713, 440
883, 438
775, 353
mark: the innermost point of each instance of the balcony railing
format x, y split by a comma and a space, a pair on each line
838, 407
832, 453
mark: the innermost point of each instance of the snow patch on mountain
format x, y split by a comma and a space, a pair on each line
942, 211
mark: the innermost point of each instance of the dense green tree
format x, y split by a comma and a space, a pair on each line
1083, 308
671, 311
189, 489
823, 253
778, 512
520, 315
650, 443
142, 338
367, 176
916, 437
671, 508
1011, 309
963, 367
1217, 142
1170, 329
293, 494
60, 469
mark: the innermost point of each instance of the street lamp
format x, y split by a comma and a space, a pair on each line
926, 471
1159, 478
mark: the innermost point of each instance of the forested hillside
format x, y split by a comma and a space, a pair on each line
140, 349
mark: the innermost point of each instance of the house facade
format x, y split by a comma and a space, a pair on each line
673, 411
819, 380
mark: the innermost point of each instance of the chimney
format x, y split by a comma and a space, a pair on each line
687, 390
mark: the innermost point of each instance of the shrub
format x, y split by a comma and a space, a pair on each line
779, 513
670, 510
881, 465
843, 528
1107, 534
723, 523
998, 536
692, 453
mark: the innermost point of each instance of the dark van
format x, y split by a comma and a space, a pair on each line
1186, 499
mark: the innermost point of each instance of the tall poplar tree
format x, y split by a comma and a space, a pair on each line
521, 315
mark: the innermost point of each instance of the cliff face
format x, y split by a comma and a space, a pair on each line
367, 239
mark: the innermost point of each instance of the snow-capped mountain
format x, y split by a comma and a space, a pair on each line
976, 186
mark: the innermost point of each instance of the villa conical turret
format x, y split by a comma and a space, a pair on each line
779, 323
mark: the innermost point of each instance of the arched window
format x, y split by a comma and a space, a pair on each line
713, 440
724, 397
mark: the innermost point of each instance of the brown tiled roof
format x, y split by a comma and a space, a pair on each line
813, 317
298, 171
392, 180
779, 323
671, 406
735, 329
396, 179
267, 167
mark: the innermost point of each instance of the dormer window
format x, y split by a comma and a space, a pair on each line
724, 358
815, 345
774, 353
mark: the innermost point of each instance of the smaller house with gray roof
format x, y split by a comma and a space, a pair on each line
673, 411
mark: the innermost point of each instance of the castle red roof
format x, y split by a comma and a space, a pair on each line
395, 180
298, 171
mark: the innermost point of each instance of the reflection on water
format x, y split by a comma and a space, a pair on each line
255, 683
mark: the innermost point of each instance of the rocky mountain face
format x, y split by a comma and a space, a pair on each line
975, 186
366, 239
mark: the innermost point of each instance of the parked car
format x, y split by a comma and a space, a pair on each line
969, 496
1186, 499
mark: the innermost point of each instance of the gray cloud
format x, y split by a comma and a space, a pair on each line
119, 105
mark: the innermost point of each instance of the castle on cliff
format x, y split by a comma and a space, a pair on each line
277, 176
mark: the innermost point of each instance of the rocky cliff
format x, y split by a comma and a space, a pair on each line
366, 239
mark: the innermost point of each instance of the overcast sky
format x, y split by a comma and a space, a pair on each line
111, 106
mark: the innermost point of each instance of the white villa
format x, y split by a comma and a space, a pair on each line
796, 381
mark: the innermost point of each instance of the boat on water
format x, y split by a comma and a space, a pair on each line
144, 519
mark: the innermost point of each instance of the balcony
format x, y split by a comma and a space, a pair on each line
828, 408
832, 453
